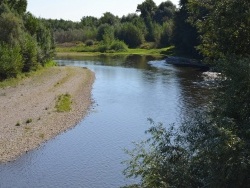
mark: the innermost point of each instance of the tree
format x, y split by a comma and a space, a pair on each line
105, 32
11, 62
10, 28
109, 18
45, 43
19, 6
29, 53
185, 36
130, 34
213, 148
136, 21
24, 40
167, 34
147, 9
164, 12
89, 21
224, 26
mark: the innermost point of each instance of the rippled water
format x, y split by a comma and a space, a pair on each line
127, 91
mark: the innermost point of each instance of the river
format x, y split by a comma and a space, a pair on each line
126, 92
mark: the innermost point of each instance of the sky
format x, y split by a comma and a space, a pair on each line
75, 9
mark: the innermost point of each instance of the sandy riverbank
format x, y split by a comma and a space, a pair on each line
34, 99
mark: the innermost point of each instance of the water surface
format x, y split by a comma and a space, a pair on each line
126, 92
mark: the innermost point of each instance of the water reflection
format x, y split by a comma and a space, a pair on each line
127, 91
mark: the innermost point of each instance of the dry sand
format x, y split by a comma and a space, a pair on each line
34, 98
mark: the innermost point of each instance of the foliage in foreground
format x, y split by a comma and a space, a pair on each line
211, 150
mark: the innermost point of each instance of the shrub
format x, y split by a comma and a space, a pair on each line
30, 53
130, 34
11, 62
89, 43
119, 46
103, 48
63, 103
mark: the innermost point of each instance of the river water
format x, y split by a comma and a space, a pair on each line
126, 92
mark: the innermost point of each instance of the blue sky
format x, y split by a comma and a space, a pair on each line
76, 9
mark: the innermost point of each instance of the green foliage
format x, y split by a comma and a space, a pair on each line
10, 28
210, 150
166, 35
147, 9
46, 44
213, 148
29, 53
105, 32
109, 18
185, 36
63, 103
165, 12
118, 46
224, 26
11, 62
89, 21
148, 26
24, 41
89, 42
235, 89
17, 5
161, 160
103, 48
130, 34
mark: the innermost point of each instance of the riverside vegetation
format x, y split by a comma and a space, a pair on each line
156, 30
34, 106
26, 43
213, 150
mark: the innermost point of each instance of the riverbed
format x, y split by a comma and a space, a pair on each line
127, 91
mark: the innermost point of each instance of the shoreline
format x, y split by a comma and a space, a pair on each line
185, 62
28, 115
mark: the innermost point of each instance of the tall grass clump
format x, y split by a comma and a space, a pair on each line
63, 103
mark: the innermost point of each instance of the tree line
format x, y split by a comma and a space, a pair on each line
151, 27
25, 41
28, 42
213, 148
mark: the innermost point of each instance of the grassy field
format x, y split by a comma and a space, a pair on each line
80, 49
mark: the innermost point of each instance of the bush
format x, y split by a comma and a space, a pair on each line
11, 62
104, 29
212, 149
130, 34
119, 46
103, 48
89, 43
29, 53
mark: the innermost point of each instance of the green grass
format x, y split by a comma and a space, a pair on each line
50, 64
12, 82
83, 50
63, 103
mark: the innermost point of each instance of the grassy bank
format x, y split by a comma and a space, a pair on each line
14, 81
80, 49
